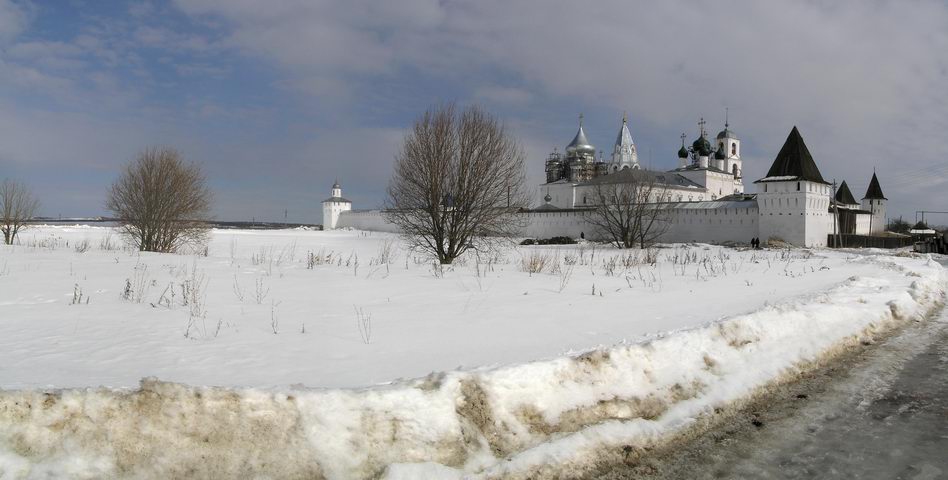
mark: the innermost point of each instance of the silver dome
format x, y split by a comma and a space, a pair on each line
580, 144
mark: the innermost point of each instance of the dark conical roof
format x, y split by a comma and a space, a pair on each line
794, 161
874, 192
844, 196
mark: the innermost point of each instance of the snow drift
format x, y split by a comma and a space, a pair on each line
545, 418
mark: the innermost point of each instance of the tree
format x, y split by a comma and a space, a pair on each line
17, 205
162, 202
458, 183
899, 226
625, 209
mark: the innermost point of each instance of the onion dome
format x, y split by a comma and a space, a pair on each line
682, 152
719, 154
580, 144
547, 198
336, 185
702, 147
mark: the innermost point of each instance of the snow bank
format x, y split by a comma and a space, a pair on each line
516, 421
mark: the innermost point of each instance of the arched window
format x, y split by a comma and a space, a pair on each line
734, 169
798, 186
734, 148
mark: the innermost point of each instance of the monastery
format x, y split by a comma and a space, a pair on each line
704, 198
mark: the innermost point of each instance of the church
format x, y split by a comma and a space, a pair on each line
703, 199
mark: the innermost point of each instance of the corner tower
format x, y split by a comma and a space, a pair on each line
874, 201
793, 199
333, 206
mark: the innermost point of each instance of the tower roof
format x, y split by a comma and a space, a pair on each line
580, 144
726, 133
794, 162
874, 192
625, 136
844, 196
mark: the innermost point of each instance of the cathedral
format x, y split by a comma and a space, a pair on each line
704, 172
703, 198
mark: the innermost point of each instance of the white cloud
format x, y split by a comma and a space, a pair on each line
14, 17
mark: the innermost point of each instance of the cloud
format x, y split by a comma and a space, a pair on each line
863, 80
327, 88
14, 18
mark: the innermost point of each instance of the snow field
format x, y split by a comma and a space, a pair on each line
512, 420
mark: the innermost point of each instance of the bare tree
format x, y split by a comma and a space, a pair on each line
162, 202
458, 183
627, 208
17, 205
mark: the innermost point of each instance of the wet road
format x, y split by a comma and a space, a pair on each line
880, 413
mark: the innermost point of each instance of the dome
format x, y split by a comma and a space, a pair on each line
702, 147
682, 152
719, 154
726, 133
336, 185
580, 144
547, 198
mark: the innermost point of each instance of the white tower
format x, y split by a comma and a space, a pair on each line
793, 199
623, 154
333, 206
730, 146
874, 202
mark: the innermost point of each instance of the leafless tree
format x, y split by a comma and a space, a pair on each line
458, 183
627, 208
162, 202
17, 205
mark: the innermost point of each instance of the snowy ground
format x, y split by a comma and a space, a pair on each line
295, 315
419, 323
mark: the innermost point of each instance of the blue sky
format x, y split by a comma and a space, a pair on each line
277, 99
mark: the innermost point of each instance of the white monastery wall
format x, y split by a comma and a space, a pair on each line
370, 220
714, 225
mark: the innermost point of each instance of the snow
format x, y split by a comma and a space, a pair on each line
533, 376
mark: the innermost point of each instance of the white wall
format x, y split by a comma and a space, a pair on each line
799, 217
724, 222
720, 224
331, 212
877, 207
371, 220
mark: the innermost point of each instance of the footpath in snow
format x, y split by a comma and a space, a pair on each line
547, 418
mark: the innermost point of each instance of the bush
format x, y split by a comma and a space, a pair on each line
549, 241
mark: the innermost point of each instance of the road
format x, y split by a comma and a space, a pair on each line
880, 412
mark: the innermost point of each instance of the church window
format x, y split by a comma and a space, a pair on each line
765, 187
584, 199
734, 148
734, 169
798, 186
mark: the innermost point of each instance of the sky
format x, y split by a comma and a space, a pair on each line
276, 100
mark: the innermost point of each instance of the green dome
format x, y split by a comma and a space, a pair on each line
702, 147
682, 152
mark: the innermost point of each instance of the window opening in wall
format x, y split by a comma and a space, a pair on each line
798, 186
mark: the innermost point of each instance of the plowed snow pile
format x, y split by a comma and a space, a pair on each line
538, 418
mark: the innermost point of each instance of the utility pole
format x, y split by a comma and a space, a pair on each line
836, 237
